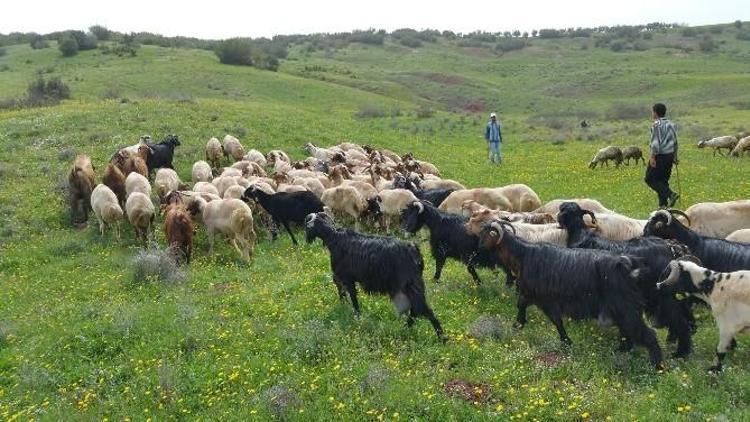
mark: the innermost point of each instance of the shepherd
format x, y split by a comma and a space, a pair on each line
494, 137
663, 155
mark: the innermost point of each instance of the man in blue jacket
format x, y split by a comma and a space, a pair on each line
494, 137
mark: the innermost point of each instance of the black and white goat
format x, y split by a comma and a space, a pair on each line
381, 265
728, 295
580, 283
715, 253
161, 154
448, 238
285, 207
656, 254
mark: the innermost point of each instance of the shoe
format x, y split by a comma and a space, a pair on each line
673, 199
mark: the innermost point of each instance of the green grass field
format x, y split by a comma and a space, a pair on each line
81, 340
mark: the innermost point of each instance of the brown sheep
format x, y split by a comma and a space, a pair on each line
81, 182
115, 180
178, 228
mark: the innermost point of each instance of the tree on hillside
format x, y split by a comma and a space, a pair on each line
235, 51
68, 45
101, 32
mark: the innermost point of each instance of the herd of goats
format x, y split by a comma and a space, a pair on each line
569, 257
737, 145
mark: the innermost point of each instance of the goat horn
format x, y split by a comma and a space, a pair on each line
495, 225
507, 224
420, 206
672, 276
678, 212
591, 213
310, 219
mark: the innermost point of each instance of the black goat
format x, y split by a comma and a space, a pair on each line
161, 154
448, 238
285, 207
434, 196
656, 254
382, 265
715, 254
581, 283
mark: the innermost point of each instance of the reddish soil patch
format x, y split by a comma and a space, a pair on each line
475, 106
551, 359
468, 391
444, 79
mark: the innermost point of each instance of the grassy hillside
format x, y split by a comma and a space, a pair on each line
80, 339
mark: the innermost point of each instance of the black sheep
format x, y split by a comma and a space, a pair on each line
434, 196
715, 254
285, 207
580, 283
161, 154
448, 238
381, 265
656, 254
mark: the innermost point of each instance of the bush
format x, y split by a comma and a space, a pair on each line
369, 111
550, 33
689, 32
617, 46
68, 46
101, 33
510, 44
488, 327
424, 112
707, 44
624, 111
368, 37
88, 42
410, 42
38, 43
743, 35
738, 24
41, 92
237, 51
156, 265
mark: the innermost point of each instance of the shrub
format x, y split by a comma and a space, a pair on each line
410, 42
738, 24
235, 51
68, 46
425, 112
281, 401
716, 29
617, 46
88, 42
488, 327
689, 32
100, 32
156, 265
38, 43
707, 44
550, 33
510, 44
369, 111
743, 35
625, 111
41, 92
368, 37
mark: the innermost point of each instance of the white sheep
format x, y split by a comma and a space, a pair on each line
441, 184
205, 187
742, 146
222, 183
233, 148
140, 212
719, 143
235, 192
201, 172
107, 209
616, 226
344, 200
740, 236
490, 198
391, 203
553, 206
257, 157
232, 217
214, 152
550, 233
136, 182
719, 219
165, 181
728, 295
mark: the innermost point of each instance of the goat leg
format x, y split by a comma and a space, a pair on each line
725, 341
521, 304
352, 290
439, 263
474, 274
288, 230
554, 313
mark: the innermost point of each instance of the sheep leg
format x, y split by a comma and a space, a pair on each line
237, 248
474, 274
288, 230
725, 340
101, 227
210, 235
521, 305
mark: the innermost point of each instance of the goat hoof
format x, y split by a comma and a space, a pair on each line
567, 342
661, 366
518, 325
625, 348
733, 344
681, 354
714, 369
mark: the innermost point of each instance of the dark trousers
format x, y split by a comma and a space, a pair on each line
657, 177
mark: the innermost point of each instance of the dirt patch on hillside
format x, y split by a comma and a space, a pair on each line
468, 391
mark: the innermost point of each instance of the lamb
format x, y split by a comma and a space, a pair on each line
285, 208
448, 238
719, 219
250, 168
257, 157
233, 218
115, 180
447, 184
107, 208
201, 172
214, 152
632, 152
581, 283
347, 200
471, 207
714, 253
178, 228
222, 183
322, 154
742, 146
312, 184
553, 207
390, 203
728, 295
136, 182
656, 254
605, 155
129, 163
166, 180
140, 211
81, 183
719, 143
381, 265
205, 187
233, 148
740, 236
490, 198
234, 192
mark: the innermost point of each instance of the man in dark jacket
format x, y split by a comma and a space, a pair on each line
494, 136
663, 147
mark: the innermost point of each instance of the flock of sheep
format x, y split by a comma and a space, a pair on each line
737, 145
570, 257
